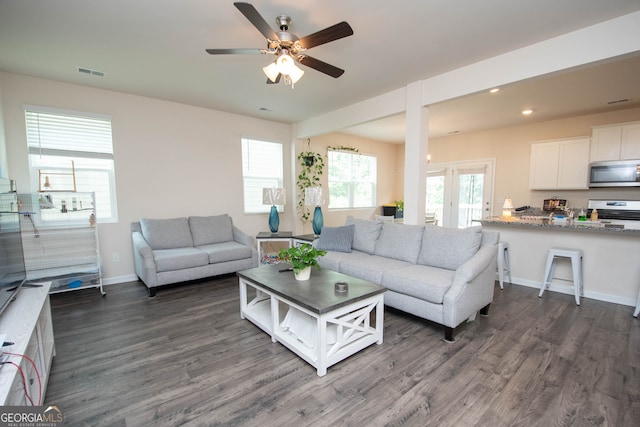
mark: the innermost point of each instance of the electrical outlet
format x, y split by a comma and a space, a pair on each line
116, 257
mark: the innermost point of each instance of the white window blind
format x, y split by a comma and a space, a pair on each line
352, 180
262, 167
62, 144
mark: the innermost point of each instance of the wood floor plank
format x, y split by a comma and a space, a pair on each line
186, 358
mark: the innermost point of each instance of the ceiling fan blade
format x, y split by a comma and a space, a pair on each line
233, 51
321, 66
327, 35
257, 20
269, 82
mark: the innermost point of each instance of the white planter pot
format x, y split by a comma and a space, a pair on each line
303, 274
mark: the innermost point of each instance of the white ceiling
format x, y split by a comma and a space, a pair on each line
157, 49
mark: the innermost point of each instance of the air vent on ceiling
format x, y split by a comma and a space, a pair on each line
90, 72
618, 101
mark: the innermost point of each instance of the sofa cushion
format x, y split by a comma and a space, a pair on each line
166, 233
449, 247
369, 267
331, 261
179, 258
399, 241
365, 234
420, 281
226, 251
337, 239
211, 229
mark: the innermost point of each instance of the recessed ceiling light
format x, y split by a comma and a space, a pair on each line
264, 109
527, 112
495, 89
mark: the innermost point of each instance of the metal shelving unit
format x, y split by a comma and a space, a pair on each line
60, 240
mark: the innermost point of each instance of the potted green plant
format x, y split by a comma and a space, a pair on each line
311, 169
302, 258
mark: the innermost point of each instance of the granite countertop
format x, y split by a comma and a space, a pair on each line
603, 226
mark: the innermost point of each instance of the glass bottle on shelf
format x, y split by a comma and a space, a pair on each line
582, 216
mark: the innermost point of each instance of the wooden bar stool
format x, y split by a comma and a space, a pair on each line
504, 263
575, 255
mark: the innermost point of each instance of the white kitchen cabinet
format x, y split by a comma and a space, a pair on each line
616, 142
560, 164
630, 143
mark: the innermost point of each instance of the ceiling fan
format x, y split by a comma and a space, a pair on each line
287, 47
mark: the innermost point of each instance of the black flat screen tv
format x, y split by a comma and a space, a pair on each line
12, 269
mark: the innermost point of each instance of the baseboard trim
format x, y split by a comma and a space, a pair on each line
119, 279
599, 296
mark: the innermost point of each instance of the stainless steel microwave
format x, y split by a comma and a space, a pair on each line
615, 173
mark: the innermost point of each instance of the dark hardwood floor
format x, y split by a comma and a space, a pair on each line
186, 358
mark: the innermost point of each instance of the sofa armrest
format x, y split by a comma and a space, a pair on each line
144, 264
242, 237
472, 288
486, 256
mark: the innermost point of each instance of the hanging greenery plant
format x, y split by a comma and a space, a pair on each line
311, 169
343, 148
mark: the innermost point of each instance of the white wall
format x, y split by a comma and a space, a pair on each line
511, 149
175, 160
4, 164
171, 159
387, 189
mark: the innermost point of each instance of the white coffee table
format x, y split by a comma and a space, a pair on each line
310, 318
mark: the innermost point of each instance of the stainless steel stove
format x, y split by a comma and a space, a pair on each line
616, 210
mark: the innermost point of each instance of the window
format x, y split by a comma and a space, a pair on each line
352, 180
261, 168
63, 144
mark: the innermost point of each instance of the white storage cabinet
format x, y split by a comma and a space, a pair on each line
27, 323
616, 142
560, 164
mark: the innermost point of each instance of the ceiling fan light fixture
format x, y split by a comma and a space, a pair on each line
286, 63
271, 71
295, 74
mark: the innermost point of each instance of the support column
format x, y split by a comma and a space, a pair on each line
415, 155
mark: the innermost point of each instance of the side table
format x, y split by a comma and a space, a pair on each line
303, 238
266, 236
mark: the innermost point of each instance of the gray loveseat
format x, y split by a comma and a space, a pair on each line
445, 275
180, 249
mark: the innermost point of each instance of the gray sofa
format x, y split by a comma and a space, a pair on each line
445, 275
180, 249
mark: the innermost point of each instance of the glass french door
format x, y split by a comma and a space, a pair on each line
460, 193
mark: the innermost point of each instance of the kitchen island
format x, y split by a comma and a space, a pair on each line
611, 254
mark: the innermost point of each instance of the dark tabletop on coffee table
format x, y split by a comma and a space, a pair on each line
316, 294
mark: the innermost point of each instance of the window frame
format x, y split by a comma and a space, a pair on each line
277, 182
352, 184
75, 155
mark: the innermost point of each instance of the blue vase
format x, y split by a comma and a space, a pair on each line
317, 222
274, 220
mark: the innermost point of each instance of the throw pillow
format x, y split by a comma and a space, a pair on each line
365, 235
449, 247
399, 241
166, 233
337, 239
207, 230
